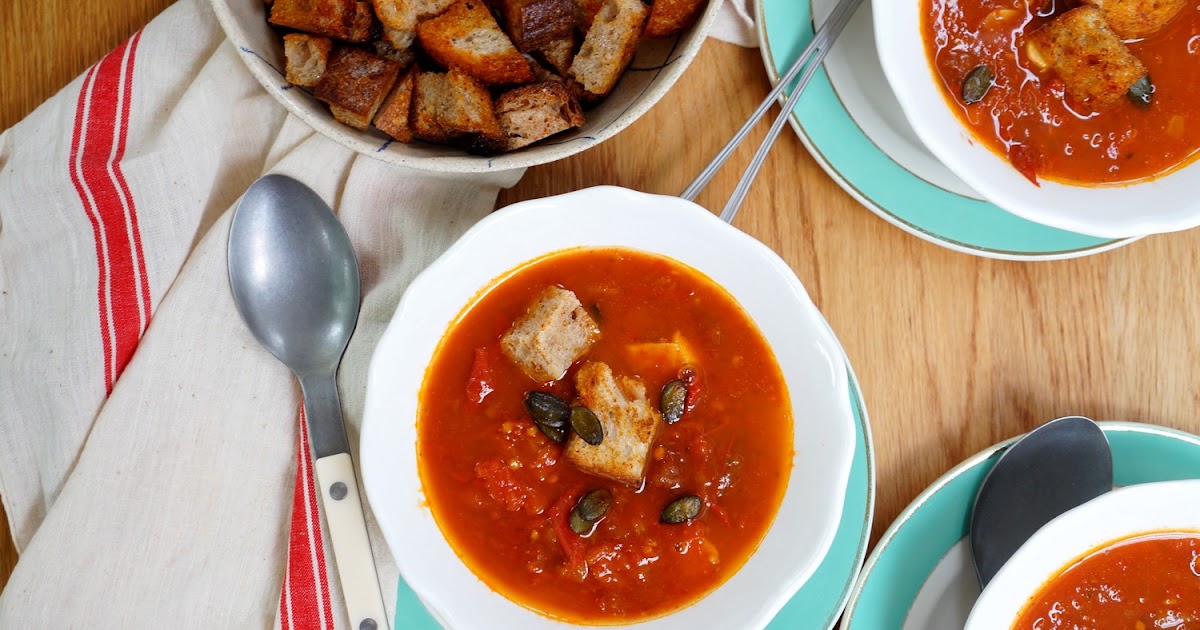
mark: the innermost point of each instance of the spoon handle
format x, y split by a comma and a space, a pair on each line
351, 547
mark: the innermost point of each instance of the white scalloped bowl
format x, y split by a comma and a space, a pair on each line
810, 357
658, 64
1165, 204
1169, 506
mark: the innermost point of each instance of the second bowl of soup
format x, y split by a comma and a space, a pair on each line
1081, 115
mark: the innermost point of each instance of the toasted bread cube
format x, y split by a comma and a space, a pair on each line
609, 46
631, 424
559, 53
541, 74
670, 17
401, 17
585, 13
451, 105
384, 48
348, 20
555, 332
534, 23
533, 112
1135, 19
468, 37
355, 84
307, 56
1093, 63
393, 116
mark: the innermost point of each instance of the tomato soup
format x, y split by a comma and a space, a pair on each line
1026, 116
1144, 583
502, 491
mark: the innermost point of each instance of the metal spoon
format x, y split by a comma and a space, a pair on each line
295, 281
1057, 466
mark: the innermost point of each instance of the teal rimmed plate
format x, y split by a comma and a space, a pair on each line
851, 123
920, 574
819, 603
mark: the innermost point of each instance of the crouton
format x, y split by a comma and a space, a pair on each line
630, 421
349, 20
306, 57
354, 85
467, 36
541, 74
451, 105
534, 23
670, 17
585, 13
533, 112
609, 46
393, 116
1135, 19
559, 53
1093, 63
553, 333
384, 48
400, 18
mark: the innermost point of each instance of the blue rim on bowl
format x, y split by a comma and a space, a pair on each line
884, 186
938, 519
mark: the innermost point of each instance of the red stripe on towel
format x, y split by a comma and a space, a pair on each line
304, 602
97, 148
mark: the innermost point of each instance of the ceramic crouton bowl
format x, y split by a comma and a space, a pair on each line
655, 68
810, 361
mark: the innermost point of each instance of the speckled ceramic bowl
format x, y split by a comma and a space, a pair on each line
658, 64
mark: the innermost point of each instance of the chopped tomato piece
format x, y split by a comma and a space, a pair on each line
695, 386
1026, 160
479, 383
560, 522
501, 484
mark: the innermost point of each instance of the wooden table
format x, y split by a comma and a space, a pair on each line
954, 353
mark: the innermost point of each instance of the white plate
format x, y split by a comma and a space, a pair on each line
809, 356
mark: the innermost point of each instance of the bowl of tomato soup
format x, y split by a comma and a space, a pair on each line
1078, 114
1129, 559
607, 408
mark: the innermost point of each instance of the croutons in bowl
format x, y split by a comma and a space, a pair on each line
1077, 115
447, 383
467, 85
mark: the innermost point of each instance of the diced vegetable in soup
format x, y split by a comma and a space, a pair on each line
1145, 583
1076, 91
604, 436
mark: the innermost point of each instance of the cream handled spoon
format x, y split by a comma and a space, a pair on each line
295, 281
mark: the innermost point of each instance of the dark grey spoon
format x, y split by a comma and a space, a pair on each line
1054, 468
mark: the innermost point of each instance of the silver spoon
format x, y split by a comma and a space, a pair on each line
1057, 466
295, 281
809, 61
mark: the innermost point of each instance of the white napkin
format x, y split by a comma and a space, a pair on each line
148, 445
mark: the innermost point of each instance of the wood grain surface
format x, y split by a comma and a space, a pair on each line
954, 353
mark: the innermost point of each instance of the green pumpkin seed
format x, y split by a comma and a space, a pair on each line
977, 84
556, 434
682, 510
674, 401
547, 410
1141, 93
579, 525
587, 426
594, 505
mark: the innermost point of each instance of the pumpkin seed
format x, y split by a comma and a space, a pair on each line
1141, 93
594, 505
556, 434
682, 510
977, 84
547, 410
674, 401
579, 525
587, 426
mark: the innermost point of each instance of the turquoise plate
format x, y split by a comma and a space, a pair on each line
925, 537
879, 168
819, 603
